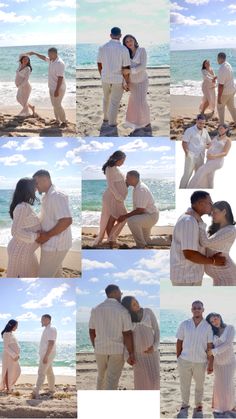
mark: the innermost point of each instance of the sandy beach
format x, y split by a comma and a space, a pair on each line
21, 405
86, 369
12, 125
184, 110
170, 391
89, 106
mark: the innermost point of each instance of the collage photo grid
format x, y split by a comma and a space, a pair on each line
117, 161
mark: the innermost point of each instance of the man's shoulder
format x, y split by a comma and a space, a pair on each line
185, 323
187, 219
55, 194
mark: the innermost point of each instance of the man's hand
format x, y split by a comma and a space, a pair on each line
121, 218
149, 350
209, 352
219, 260
42, 238
56, 93
131, 359
45, 360
219, 100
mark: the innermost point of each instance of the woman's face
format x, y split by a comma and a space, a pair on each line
25, 61
120, 162
215, 321
129, 42
218, 216
15, 327
134, 305
207, 64
222, 130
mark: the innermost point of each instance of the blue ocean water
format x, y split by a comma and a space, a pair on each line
186, 66
158, 55
82, 338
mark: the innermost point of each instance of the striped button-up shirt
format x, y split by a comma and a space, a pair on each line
110, 319
195, 340
226, 77
113, 56
142, 198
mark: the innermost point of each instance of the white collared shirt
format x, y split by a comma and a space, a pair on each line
186, 236
197, 140
142, 198
55, 206
55, 69
113, 56
195, 340
49, 333
226, 77
110, 319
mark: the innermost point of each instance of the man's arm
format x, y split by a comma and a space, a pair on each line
61, 225
42, 57
99, 68
185, 147
129, 344
137, 211
220, 92
51, 343
210, 359
92, 335
179, 347
197, 257
59, 83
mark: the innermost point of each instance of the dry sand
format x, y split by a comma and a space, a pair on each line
89, 106
184, 110
87, 373
12, 125
67, 273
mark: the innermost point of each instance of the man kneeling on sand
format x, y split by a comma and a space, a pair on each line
47, 353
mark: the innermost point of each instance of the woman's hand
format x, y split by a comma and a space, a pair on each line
125, 86
149, 350
16, 358
211, 157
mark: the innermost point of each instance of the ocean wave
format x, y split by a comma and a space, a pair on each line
57, 371
188, 88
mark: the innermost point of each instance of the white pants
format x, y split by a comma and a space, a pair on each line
112, 94
226, 100
140, 226
51, 264
204, 176
192, 163
109, 371
57, 106
187, 371
43, 371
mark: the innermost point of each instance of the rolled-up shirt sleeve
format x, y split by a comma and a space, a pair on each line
127, 323
180, 332
189, 235
141, 198
60, 69
99, 56
52, 334
61, 207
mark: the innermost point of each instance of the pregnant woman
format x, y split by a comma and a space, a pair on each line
208, 87
146, 341
23, 85
22, 261
219, 148
10, 357
113, 199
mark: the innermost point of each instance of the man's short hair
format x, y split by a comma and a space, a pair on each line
53, 49
42, 172
198, 196
222, 55
134, 173
201, 117
115, 31
47, 316
198, 302
111, 288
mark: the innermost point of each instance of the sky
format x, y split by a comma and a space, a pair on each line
30, 22
21, 157
152, 157
147, 20
137, 273
27, 299
203, 24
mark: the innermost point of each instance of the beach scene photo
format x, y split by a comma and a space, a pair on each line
25, 212
23, 303
199, 32
139, 277
173, 312
139, 98
38, 92
154, 162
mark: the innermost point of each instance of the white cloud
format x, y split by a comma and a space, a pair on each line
176, 6
89, 264
137, 144
232, 8
12, 17
60, 164
92, 146
69, 303
165, 158
197, 2
10, 144
31, 144
232, 23
3, 5
94, 279
5, 316
54, 295
160, 149
138, 275
159, 261
27, 316
55, 4
179, 19
13, 160
61, 144
134, 293
82, 292
66, 320
62, 18
37, 163
28, 280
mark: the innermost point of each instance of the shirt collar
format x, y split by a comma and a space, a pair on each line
138, 185
50, 190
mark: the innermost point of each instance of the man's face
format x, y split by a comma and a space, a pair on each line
118, 295
41, 183
52, 55
131, 180
200, 123
197, 310
45, 321
206, 205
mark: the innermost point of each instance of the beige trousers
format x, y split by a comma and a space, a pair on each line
192, 163
226, 100
187, 371
189, 284
109, 371
51, 264
57, 106
112, 94
140, 226
45, 370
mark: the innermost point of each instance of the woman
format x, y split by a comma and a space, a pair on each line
22, 261
208, 87
220, 238
113, 199
138, 112
10, 358
146, 341
219, 148
224, 364
23, 85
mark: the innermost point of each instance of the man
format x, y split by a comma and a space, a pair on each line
187, 256
47, 352
110, 331
113, 58
55, 218
194, 338
195, 141
56, 83
226, 88
144, 215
